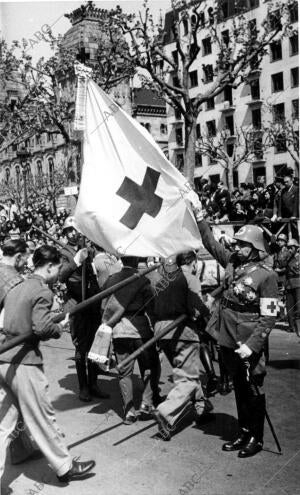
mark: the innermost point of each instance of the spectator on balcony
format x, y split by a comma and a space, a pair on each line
288, 205
238, 213
12, 210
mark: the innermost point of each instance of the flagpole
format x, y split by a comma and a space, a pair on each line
20, 339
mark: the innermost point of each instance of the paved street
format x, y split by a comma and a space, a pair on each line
131, 461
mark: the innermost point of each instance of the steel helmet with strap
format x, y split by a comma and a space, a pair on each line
252, 234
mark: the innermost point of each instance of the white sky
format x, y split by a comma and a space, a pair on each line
23, 19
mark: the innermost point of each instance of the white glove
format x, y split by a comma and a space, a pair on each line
244, 351
65, 321
81, 256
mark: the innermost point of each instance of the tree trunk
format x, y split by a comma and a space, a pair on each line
229, 175
190, 146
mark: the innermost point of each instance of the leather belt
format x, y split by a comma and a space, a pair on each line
241, 308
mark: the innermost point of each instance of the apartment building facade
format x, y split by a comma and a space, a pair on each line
267, 95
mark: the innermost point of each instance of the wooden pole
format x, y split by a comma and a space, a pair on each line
80, 307
152, 341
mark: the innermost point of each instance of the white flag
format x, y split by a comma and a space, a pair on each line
132, 199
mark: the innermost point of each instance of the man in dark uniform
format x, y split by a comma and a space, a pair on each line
248, 312
83, 325
127, 312
180, 295
293, 286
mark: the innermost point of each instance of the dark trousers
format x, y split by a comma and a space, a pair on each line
250, 404
149, 365
293, 307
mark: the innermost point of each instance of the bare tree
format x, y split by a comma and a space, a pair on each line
238, 53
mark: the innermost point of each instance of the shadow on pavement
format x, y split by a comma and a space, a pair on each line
283, 364
224, 426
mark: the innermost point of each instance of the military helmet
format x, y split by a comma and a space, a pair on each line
282, 237
69, 224
252, 234
293, 243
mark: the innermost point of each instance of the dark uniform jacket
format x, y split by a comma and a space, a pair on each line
293, 273
248, 307
131, 303
289, 203
178, 293
28, 308
71, 275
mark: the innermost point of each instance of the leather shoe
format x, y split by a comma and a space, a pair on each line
84, 395
163, 426
95, 391
238, 443
145, 412
252, 448
130, 419
212, 385
77, 470
224, 388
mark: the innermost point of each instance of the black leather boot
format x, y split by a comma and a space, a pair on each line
93, 386
212, 380
257, 408
224, 386
238, 443
84, 394
251, 448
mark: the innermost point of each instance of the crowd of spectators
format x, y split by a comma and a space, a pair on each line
15, 223
251, 202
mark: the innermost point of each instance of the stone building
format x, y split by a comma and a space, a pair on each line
44, 155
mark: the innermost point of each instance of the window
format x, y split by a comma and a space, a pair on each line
211, 17
39, 168
230, 149
279, 169
229, 122
277, 82
256, 118
198, 131
210, 104
294, 49
252, 29
278, 112
148, 127
206, 45
177, 114
198, 159
163, 128
175, 56
202, 19
295, 109
7, 174
12, 103
295, 77
280, 143
276, 51
185, 27
193, 79
179, 161
228, 94
208, 73
225, 37
293, 8
211, 128
179, 138
257, 144
275, 20
255, 89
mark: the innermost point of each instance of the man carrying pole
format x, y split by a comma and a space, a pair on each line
83, 325
248, 312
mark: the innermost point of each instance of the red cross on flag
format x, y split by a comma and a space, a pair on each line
132, 199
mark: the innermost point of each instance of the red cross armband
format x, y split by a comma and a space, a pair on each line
268, 306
